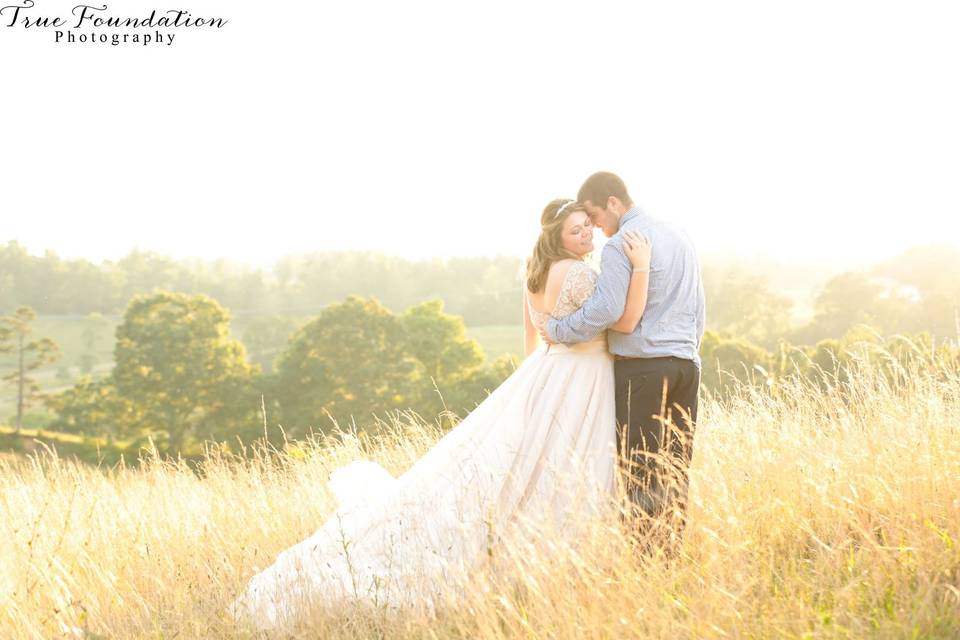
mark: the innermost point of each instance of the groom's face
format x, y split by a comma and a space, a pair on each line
604, 218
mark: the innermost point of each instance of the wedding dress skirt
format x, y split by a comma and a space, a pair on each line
540, 450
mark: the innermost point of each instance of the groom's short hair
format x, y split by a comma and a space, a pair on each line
600, 186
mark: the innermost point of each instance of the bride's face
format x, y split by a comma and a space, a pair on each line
577, 234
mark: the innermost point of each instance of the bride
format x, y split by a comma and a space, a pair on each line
540, 449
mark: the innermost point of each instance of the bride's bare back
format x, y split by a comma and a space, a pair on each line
569, 284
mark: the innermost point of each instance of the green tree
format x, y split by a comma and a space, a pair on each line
358, 359
29, 356
177, 364
727, 361
846, 300
349, 362
445, 356
94, 407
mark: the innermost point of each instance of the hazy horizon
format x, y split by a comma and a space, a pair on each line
707, 257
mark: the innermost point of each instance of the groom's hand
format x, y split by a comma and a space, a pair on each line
546, 337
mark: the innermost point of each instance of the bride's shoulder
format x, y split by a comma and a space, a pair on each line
562, 266
563, 270
559, 269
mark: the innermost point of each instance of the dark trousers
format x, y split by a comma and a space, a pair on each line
656, 417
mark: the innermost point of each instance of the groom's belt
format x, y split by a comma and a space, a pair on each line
619, 357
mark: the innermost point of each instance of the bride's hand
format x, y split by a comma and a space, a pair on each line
637, 249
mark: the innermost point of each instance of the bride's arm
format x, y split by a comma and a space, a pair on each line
531, 339
638, 251
636, 301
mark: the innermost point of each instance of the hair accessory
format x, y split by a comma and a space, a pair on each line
563, 208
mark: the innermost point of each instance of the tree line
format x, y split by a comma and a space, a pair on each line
481, 290
915, 291
181, 378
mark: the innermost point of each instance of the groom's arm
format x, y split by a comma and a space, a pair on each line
604, 307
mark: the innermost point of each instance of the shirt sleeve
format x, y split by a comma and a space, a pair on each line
604, 307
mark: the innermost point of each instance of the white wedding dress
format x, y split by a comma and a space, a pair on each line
540, 449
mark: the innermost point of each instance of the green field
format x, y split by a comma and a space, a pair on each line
497, 340
84, 341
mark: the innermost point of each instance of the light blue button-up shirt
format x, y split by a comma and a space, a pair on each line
673, 320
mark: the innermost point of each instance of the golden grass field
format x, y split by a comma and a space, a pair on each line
815, 513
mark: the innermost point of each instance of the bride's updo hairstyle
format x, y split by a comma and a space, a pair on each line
549, 247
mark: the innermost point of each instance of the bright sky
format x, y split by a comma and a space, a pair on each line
812, 130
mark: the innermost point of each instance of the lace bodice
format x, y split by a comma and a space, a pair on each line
578, 285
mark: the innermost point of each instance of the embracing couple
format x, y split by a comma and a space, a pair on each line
613, 386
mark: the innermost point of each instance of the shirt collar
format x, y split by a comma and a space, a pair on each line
631, 213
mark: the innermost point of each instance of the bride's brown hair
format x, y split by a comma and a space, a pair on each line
549, 247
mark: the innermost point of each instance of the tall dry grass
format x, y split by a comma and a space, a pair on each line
815, 512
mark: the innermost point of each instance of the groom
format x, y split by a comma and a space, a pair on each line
657, 367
